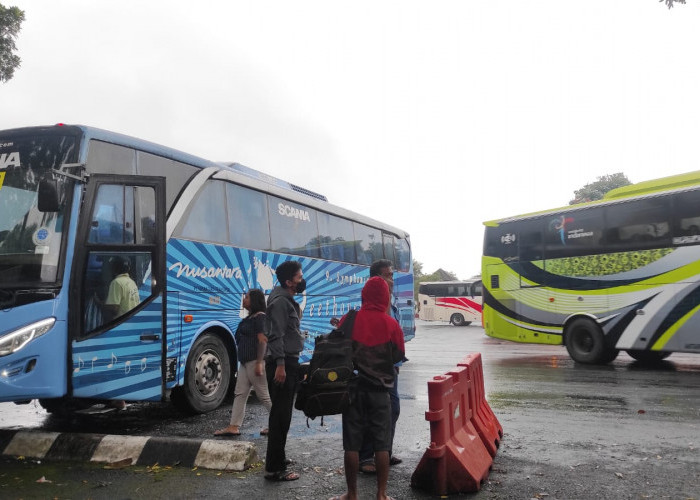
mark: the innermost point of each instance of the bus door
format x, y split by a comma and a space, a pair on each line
117, 321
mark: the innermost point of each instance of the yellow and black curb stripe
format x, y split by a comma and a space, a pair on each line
141, 450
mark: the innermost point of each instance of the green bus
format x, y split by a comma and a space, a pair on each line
621, 273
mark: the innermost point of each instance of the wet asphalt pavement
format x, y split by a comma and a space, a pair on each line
570, 431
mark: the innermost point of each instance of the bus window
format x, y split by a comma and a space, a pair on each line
206, 220
106, 158
114, 284
113, 215
293, 228
335, 238
502, 242
177, 173
146, 207
368, 242
687, 214
639, 224
530, 244
389, 245
247, 217
574, 233
403, 256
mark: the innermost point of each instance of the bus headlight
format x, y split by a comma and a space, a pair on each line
14, 341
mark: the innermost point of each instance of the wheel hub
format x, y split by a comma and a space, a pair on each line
208, 373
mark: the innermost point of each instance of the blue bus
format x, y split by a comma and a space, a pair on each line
87, 216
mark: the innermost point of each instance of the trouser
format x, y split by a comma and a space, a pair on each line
282, 396
367, 450
246, 380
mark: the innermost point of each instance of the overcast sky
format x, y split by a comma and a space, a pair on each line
432, 116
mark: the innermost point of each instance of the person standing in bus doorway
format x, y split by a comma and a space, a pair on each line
123, 294
385, 270
284, 343
122, 297
377, 344
252, 345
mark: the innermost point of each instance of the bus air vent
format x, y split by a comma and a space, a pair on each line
494, 282
307, 192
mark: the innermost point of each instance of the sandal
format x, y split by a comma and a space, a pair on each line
368, 468
282, 475
265, 432
226, 432
394, 460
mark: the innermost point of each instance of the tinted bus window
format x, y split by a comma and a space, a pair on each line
293, 228
105, 158
112, 220
389, 245
177, 173
574, 233
335, 236
687, 214
530, 244
403, 256
368, 242
248, 221
501, 242
206, 217
638, 224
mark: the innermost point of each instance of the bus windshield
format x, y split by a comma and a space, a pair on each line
30, 240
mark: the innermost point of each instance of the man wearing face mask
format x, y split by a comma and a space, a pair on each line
284, 343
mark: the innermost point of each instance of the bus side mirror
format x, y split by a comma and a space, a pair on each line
48, 196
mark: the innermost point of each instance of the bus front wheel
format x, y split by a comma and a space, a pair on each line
207, 376
648, 356
585, 343
458, 320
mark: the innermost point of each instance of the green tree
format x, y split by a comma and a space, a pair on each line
419, 277
671, 2
10, 23
596, 190
417, 269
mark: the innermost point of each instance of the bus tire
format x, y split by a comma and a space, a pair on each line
644, 356
586, 344
65, 405
207, 376
457, 319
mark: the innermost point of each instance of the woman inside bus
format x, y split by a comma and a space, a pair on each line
252, 344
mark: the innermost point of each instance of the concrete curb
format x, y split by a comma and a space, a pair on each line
141, 450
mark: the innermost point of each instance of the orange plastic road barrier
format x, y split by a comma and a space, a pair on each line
456, 461
483, 418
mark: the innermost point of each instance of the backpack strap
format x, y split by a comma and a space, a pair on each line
349, 323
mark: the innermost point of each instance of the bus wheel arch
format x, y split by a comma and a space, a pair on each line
586, 343
457, 319
209, 372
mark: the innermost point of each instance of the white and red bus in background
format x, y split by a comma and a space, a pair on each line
458, 302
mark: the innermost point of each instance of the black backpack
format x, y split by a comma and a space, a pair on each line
325, 391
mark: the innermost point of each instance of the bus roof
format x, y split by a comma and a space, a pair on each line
229, 170
643, 189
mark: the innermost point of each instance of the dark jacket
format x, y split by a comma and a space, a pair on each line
377, 337
282, 320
